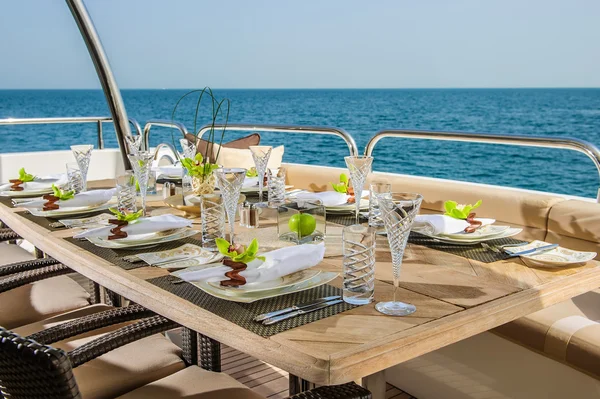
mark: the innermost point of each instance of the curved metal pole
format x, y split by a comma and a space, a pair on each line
567, 143
162, 123
288, 129
105, 75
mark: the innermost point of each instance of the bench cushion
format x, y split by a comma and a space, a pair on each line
575, 224
568, 332
194, 383
40, 300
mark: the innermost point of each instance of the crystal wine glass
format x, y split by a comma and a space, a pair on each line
141, 164
398, 211
359, 167
261, 154
82, 154
189, 148
134, 143
229, 181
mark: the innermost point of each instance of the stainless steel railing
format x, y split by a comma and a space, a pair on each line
162, 123
289, 129
99, 120
567, 143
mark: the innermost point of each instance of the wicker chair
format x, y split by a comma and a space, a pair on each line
32, 369
7, 234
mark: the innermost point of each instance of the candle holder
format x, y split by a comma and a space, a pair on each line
301, 222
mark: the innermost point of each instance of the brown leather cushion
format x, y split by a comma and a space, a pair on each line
194, 383
242, 143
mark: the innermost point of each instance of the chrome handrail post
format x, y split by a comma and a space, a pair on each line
162, 123
568, 143
352, 147
100, 137
105, 75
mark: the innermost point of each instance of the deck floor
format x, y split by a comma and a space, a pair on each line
270, 381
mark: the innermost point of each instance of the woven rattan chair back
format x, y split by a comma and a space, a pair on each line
31, 370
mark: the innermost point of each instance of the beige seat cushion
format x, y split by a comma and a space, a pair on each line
12, 253
575, 224
237, 158
40, 300
568, 331
241, 143
194, 383
61, 318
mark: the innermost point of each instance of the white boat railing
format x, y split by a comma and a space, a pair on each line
567, 143
98, 120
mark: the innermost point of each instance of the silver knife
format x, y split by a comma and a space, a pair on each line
533, 251
277, 319
265, 316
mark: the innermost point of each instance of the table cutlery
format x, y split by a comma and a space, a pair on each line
277, 319
499, 248
304, 305
534, 251
57, 225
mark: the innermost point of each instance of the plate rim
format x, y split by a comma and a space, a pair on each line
115, 245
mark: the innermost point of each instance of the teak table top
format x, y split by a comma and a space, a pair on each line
455, 298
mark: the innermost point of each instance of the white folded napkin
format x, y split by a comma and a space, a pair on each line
250, 182
171, 170
87, 198
328, 198
152, 224
40, 183
442, 224
278, 263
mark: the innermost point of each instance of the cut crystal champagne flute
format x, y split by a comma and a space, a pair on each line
229, 181
189, 148
359, 167
126, 192
83, 154
261, 155
141, 164
134, 143
74, 177
398, 211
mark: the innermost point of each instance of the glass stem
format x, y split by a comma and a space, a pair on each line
260, 189
143, 195
357, 197
396, 285
231, 220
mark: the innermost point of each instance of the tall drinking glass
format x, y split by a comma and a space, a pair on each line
212, 214
74, 177
134, 143
377, 188
261, 155
229, 181
141, 164
276, 188
83, 154
358, 248
126, 192
189, 148
398, 211
359, 167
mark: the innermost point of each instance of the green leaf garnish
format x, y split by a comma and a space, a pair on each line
126, 217
251, 172
61, 194
24, 176
246, 256
342, 186
196, 168
459, 211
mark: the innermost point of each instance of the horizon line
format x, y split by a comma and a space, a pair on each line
316, 88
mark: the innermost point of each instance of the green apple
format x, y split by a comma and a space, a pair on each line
303, 224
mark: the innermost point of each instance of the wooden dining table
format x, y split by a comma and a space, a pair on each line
455, 298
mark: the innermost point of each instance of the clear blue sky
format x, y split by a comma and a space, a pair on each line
306, 44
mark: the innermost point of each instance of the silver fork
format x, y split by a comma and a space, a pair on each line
498, 248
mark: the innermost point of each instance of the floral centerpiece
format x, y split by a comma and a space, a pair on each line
200, 168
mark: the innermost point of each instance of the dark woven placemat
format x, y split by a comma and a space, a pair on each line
345, 219
46, 222
243, 314
475, 252
6, 201
115, 256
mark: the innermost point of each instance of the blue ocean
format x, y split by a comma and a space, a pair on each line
542, 112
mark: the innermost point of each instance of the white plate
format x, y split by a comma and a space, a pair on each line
558, 257
254, 189
282, 282
482, 232
26, 193
348, 208
144, 238
119, 244
191, 262
68, 211
507, 233
318, 280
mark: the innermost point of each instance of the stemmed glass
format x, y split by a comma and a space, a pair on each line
359, 167
230, 181
141, 164
261, 154
134, 143
189, 148
398, 211
82, 154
